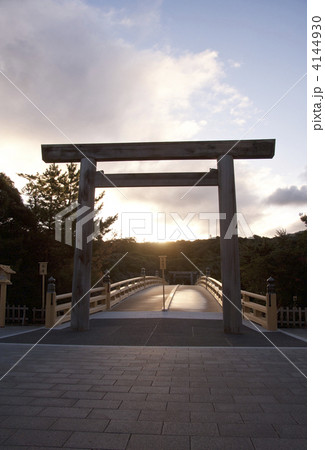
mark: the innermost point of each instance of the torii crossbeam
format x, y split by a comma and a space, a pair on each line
223, 151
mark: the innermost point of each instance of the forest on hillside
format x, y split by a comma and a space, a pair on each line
27, 237
284, 257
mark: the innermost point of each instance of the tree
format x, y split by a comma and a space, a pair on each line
52, 191
280, 232
303, 218
48, 194
20, 243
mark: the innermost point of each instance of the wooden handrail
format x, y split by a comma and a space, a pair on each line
103, 300
265, 314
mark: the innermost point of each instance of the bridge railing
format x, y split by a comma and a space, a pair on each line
212, 285
261, 309
58, 307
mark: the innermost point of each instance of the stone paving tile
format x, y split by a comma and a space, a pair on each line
300, 417
72, 387
255, 399
42, 393
273, 418
35, 386
16, 410
165, 416
247, 429
279, 444
5, 391
237, 407
300, 399
89, 376
58, 380
77, 424
94, 440
151, 389
119, 396
134, 427
189, 406
5, 433
219, 417
220, 398
269, 391
161, 383
143, 405
43, 401
141, 382
220, 443
10, 400
83, 395
32, 447
116, 414
92, 403
29, 423
130, 383
110, 388
286, 430
53, 411
146, 441
190, 390
283, 407
190, 429
168, 397
41, 438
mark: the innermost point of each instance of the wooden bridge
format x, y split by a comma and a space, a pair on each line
145, 293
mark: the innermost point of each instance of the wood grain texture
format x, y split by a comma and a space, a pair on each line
81, 282
230, 269
156, 179
153, 151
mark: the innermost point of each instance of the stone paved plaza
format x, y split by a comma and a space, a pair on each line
123, 397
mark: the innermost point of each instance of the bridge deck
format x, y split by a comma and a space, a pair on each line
186, 298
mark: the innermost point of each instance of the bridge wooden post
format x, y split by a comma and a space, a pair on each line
81, 283
230, 270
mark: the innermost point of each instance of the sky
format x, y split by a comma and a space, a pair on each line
167, 70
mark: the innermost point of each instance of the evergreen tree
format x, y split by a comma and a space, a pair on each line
52, 191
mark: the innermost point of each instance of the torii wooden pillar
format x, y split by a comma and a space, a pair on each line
222, 151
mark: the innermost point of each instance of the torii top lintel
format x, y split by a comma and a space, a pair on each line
153, 151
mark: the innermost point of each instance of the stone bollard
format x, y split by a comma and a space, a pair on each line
50, 310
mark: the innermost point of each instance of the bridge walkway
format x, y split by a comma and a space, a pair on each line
185, 298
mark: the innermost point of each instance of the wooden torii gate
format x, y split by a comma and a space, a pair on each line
222, 151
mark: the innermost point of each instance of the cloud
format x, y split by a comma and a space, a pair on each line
95, 73
288, 196
80, 66
303, 176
